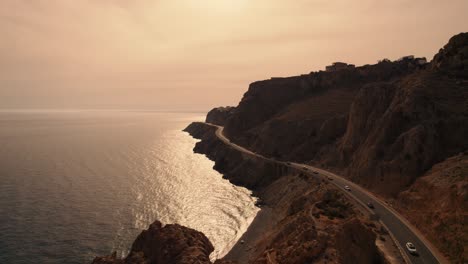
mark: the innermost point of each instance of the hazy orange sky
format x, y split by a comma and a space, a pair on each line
196, 54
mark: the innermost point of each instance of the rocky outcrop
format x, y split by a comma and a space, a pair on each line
168, 244
239, 168
219, 115
453, 58
355, 243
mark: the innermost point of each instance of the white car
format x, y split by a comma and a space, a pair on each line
347, 188
411, 248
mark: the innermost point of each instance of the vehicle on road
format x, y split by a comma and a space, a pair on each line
315, 172
370, 205
330, 178
288, 163
347, 188
305, 168
411, 248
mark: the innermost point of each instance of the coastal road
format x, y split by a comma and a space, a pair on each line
400, 229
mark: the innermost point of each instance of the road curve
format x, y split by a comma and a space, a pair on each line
401, 230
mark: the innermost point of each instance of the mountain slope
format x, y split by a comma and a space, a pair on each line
384, 126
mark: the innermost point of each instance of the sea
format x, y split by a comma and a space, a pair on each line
75, 184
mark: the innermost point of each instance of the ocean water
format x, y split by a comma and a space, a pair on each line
76, 184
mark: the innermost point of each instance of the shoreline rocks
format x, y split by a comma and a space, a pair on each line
160, 244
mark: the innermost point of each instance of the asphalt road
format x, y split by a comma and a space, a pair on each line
401, 230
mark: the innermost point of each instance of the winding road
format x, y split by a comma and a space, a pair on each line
400, 229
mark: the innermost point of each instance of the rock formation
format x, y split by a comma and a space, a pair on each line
162, 245
453, 58
437, 203
234, 165
219, 115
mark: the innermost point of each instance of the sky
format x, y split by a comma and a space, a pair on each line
198, 54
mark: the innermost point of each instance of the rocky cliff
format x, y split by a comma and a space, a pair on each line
437, 203
235, 166
384, 126
219, 115
162, 245
308, 221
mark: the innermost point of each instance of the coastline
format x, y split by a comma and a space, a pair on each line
302, 219
310, 215
285, 230
242, 252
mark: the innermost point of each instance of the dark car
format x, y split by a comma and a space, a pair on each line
305, 168
370, 205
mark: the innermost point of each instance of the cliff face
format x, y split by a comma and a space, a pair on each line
397, 132
453, 58
384, 126
302, 104
437, 203
235, 166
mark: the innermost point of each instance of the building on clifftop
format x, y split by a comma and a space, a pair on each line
336, 66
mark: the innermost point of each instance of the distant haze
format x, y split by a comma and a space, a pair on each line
196, 54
